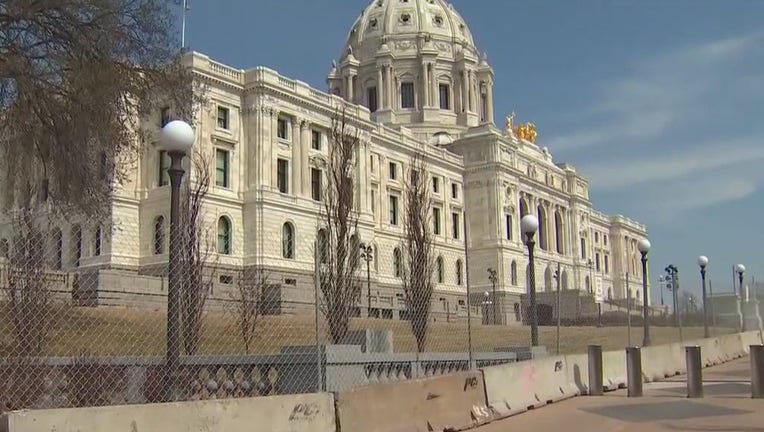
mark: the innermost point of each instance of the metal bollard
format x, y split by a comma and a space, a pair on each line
595, 370
694, 372
634, 371
757, 371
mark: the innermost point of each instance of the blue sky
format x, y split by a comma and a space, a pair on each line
659, 103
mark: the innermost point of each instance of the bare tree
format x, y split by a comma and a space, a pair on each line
420, 263
77, 79
338, 250
196, 256
248, 303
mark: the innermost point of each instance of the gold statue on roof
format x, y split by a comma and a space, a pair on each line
509, 122
527, 132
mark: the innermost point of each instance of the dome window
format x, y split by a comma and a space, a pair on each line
406, 18
372, 23
438, 20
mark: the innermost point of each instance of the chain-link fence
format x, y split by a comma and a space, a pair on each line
92, 314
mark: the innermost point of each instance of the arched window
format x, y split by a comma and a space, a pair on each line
548, 279
397, 263
77, 240
513, 272
439, 268
224, 236
97, 238
459, 272
159, 235
322, 241
287, 241
542, 228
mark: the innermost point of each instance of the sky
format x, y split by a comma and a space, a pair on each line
658, 103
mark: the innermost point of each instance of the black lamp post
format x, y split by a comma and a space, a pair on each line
703, 262
493, 278
740, 269
529, 224
177, 139
367, 254
644, 248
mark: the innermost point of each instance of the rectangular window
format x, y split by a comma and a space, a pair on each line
445, 96
604, 240
315, 140
436, 221
483, 107
393, 210
597, 261
393, 171
315, 184
164, 116
162, 177
373, 201
607, 265
455, 225
583, 248
454, 190
508, 223
372, 167
371, 96
221, 168
282, 129
435, 185
283, 175
407, 95
223, 118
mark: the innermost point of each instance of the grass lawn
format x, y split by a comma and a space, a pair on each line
113, 331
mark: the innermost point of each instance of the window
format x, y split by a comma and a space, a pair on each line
393, 168
596, 237
224, 236
221, 168
371, 97
445, 94
372, 167
604, 240
162, 177
483, 107
393, 210
281, 129
315, 140
513, 272
583, 248
315, 184
607, 265
455, 225
77, 237
159, 235
397, 263
508, 226
435, 185
440, 269
164, 116
226, 279
373, 201
223, 118
459, 276
287, 241
97, 238
436, 221
454, 190
407, 95
323, 246
597, 261
282, 169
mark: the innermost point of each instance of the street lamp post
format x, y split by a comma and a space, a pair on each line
644, 248
177, 138
673, 278
740, 269
660, 282
367, 254
493, 278
529, 224
703, 262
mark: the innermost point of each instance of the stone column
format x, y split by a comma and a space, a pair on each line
268, 155
380, 92
294, 176
425, 86
390, 87
489, 97
465, 91
301, 168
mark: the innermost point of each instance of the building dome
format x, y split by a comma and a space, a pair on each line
386, 22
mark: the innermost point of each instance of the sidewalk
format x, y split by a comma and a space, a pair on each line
727, 406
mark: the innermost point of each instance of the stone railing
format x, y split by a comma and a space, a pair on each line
59, 382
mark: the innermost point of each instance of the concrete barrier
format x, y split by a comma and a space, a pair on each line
750, 338
662, 361
449, 402
514, 388
614, 370
293, 413
711, 353
577, 369
731, 346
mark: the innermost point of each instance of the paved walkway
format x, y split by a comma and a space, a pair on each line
727, 406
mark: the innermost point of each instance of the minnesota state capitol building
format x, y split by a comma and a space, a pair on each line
415, 81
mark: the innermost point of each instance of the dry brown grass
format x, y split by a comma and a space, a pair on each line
112, 331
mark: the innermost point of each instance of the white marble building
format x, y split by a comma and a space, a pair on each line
415, 80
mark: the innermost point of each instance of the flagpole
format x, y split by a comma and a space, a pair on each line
183, 26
